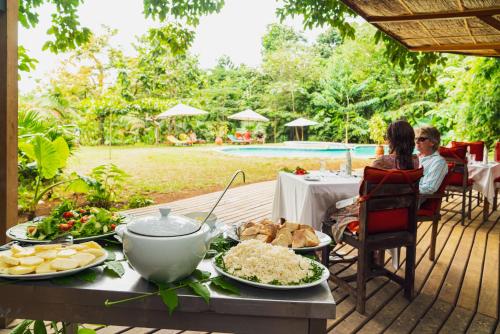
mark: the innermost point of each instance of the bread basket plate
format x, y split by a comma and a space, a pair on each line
30, 277
324, 276
324, 239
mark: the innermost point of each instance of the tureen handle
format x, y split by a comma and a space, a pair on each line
165, 211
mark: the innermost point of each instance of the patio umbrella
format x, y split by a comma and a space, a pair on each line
249, 115
181, 110
178, 110
301, 122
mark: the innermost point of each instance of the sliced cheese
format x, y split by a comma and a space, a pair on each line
96, 252
39, 248
63, 264
30, 260
9, 260
66, 252
21, 270
44, 268
48, 254
83, 258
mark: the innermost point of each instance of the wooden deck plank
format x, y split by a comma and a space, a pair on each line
436, 314
389, 313
434, 280
458, 321
490, 272
481, 324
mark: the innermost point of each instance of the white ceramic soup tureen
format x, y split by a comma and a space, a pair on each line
165, 247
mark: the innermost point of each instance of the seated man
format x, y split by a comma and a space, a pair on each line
427, 139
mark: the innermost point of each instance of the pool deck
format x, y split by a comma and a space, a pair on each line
456, 294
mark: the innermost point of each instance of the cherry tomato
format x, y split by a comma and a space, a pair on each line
113, 226
64, 227
68, 214
71, 222
82, 210
84, 219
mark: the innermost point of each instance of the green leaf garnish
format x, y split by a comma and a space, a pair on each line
223, 284
201, 290
170, 299
115, 268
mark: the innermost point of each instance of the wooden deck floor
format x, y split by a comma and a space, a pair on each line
458, 293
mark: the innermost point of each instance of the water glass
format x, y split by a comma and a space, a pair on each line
322, 166
343, 169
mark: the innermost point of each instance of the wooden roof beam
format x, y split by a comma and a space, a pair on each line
491, 21
435, 16
457, 47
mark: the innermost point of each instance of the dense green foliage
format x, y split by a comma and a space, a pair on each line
182, 15
342, 84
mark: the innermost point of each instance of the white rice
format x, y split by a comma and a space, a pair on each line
268, 263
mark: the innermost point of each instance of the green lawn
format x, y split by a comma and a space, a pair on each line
166, 173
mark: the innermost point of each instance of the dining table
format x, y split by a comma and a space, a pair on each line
306, 198
484, 175
253, 310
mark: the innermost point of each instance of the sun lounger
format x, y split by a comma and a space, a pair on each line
233, 140
171, 139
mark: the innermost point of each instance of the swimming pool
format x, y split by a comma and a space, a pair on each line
365, 151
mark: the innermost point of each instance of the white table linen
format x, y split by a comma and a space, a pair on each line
306, 202
484, 176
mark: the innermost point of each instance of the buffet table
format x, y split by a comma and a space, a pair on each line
299, 200
255, 310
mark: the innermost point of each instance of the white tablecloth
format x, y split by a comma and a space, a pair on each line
306, 202
484, 178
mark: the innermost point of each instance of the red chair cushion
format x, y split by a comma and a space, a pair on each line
476, 148
456, 179
425, 212
497, 152
389, 220
383, 221
248, 136
457, 152
392, 176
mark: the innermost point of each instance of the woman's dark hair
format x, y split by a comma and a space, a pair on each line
401, 139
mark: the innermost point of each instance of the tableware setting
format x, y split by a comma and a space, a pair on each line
165, 247
270, 267
285, 236
44, 261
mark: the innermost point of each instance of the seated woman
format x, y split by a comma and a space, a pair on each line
401, 140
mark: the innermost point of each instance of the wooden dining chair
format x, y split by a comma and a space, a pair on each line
430, 210
459, 182
476, 148
387, 219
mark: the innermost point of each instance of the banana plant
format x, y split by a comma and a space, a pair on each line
50, 157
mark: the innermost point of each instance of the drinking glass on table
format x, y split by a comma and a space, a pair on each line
322, 168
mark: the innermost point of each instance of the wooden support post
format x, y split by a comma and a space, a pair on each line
8, 119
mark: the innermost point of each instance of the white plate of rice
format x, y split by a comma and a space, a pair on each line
271, 267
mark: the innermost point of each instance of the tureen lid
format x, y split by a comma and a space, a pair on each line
163, 225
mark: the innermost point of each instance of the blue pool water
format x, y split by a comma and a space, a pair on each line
280, 151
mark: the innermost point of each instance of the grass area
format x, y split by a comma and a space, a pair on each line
166, 173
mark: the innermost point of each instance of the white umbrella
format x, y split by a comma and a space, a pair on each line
249, 115
181, 110
301, 122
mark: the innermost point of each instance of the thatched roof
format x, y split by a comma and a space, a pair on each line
459, 26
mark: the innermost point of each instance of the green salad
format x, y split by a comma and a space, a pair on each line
79, 222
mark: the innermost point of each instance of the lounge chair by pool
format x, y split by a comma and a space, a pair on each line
234, 140
171, 139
